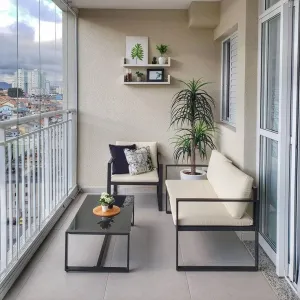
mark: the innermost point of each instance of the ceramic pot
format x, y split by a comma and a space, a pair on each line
139, 79
104, 208
200, 176
161, 60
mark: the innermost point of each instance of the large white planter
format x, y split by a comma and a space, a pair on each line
161, 60
201, 176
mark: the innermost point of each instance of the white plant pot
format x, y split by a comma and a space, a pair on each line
104, 208
139, 79
161, 60
201, 176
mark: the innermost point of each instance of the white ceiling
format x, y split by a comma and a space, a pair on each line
133, 4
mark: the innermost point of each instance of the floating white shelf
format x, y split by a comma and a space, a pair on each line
148, 83
148, 65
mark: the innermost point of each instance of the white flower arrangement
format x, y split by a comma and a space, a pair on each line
106, 199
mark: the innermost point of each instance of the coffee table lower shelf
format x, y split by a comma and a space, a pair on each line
99, 268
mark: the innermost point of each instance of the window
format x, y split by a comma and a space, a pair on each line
229, 78
269, 3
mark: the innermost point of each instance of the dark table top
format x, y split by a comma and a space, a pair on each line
85, 222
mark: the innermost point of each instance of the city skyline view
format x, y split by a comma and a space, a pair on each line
34, 27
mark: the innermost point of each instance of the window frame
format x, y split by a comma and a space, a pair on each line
225, 80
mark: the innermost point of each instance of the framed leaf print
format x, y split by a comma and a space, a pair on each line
137, 50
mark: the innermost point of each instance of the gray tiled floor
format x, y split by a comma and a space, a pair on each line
153, 275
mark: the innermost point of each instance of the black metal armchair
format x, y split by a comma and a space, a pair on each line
154, 178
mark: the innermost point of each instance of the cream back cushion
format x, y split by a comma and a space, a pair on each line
229, 183
152, 145
215, 161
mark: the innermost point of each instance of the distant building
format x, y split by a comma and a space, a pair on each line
37, 83
21, 80
32, 82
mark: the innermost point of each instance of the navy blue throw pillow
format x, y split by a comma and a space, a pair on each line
120, 164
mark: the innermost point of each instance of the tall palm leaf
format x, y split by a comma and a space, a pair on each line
192, 107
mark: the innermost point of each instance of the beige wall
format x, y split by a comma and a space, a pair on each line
240, 143
110, 111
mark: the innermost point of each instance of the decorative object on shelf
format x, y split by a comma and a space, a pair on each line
137, 50
154, 60
163, 49
192, 115
155, 75
106, 201
125, 60
129, 75
139, 76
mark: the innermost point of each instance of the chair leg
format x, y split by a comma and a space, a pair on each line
159, 196
108, 188
115, 189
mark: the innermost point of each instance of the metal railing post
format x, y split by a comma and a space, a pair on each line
47, 167
3, 208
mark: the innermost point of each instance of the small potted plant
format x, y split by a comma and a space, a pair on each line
106, 201
139, 76
162, 49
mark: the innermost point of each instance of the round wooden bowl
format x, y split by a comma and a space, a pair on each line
110, 213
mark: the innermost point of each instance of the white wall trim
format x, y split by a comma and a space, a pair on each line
266, 247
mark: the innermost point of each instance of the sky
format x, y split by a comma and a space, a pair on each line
39, 39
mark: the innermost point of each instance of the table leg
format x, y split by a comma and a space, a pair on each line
128, 251
66, 251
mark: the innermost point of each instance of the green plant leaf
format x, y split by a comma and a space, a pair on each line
192, 109
137, 52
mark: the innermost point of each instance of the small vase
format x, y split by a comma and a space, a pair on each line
139, 79
104, 208
161, 60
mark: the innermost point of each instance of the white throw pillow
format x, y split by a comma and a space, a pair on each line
152, 145
139, 160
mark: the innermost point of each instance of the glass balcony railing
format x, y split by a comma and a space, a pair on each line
36, 176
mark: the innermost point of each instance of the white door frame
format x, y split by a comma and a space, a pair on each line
282, 8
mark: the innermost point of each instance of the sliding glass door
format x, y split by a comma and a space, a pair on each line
269, 126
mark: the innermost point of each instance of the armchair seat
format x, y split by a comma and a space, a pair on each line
146, 177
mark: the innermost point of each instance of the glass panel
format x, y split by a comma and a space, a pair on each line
270, 74
270, 3
268, 188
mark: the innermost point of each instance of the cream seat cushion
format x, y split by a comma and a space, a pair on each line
201, 214
152, 145
145, 177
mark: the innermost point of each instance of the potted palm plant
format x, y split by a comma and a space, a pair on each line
192, 116
162, 49
139, 76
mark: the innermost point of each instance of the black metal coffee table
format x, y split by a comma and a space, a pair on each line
86, 223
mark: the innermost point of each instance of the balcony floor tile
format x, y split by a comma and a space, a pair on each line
152, 262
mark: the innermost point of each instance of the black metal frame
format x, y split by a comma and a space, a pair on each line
153, 70
99, 267
254, 227
159, 184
